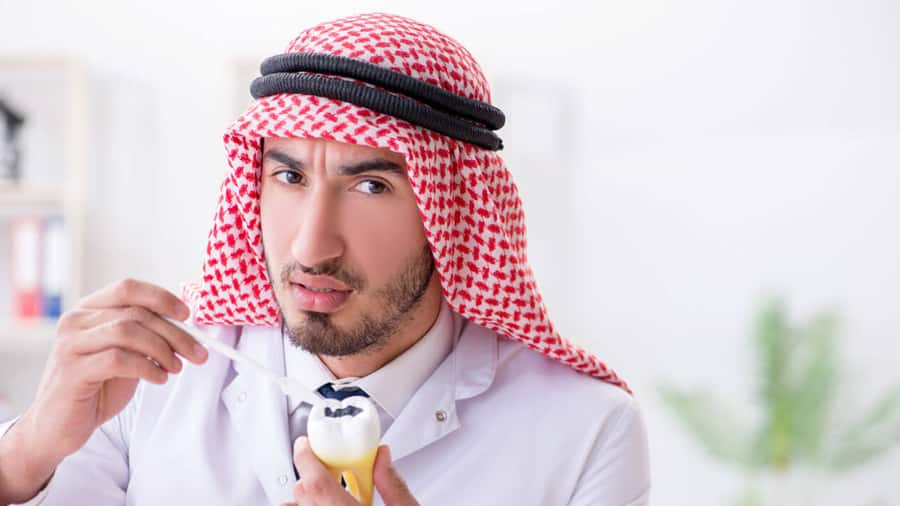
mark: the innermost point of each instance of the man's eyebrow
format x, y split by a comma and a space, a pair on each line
373, 165
281, 156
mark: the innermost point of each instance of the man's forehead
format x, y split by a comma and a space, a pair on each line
307, 147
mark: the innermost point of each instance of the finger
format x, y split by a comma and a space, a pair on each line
131, 292
315, 480
390, 485
178, 340
308, 465
119, 363
128, 335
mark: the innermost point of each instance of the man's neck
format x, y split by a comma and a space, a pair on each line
422, 318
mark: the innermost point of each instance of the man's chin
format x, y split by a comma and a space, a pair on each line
309, 326
318, 321
319, 345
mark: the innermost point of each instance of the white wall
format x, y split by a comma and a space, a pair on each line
719, 151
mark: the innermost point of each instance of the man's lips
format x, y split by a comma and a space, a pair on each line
319, 302
320, 294
320, 283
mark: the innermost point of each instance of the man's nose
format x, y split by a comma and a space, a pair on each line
318, 238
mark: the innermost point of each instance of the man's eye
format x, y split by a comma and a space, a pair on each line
372, 186
291, 177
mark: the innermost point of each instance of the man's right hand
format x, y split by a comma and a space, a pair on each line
109, 341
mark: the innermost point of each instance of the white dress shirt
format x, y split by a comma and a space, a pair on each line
495, 423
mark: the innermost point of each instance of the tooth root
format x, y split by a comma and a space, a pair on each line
359, 476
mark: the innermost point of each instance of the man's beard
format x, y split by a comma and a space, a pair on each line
371, 332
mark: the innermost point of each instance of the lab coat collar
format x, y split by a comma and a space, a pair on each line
431, 412
394, 383
258, 410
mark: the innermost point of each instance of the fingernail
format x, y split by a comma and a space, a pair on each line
300, 442
199, 351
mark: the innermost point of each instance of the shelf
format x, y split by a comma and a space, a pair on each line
27, 336
56, 93
14, 199
19, 195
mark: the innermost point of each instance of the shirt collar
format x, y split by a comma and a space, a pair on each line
393, 384
306, 367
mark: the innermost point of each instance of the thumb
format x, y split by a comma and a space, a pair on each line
390, 485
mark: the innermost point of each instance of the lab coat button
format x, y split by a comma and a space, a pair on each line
441, 415
242, 397
283, 479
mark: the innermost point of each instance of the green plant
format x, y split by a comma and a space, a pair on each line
796, 423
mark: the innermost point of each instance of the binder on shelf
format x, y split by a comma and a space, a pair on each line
26, 261
53, 270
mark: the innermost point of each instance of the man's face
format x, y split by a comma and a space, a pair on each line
344, 243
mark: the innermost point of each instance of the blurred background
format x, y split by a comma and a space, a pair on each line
682, 165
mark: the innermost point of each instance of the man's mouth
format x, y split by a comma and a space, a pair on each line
320, 300
322, 284
319, 290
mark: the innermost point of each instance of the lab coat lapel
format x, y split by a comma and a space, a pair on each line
258, 411
431, 412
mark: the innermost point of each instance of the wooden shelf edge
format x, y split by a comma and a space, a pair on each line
14, 195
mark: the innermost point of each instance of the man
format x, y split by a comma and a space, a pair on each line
368, 238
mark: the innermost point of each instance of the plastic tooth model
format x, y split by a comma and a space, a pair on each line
345, 435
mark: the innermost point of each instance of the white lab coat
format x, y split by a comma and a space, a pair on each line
516, 429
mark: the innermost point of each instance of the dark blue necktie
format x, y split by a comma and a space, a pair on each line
327, 391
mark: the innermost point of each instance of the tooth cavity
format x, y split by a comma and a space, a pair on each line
339, 412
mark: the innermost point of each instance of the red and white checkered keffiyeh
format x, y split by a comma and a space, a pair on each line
466, 196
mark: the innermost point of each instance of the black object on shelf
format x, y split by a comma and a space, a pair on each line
11, 122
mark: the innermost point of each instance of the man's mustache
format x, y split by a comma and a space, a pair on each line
329, 268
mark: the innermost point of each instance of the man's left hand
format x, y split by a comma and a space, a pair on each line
318, 488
